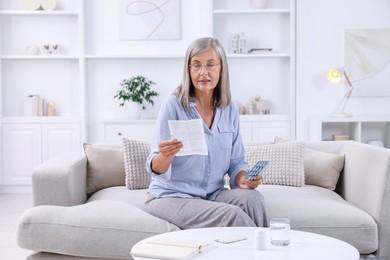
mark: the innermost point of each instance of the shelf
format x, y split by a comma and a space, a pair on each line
39, 13
137, 56
365, 129
261, 11
120, 121
38, 57
40, 119
265, 118
260, 55
357, 118
180, 56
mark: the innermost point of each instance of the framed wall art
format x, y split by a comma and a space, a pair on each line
149, 19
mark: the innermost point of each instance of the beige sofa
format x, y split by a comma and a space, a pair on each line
64, 220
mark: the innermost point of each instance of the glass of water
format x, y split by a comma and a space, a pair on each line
280, 231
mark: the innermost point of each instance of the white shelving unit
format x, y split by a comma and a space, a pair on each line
95, 62
28, 141
363, 129
271, 27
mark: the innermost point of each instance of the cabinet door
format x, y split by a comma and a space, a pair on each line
60, 138
21, 152
267, 131
246, 132
140, 131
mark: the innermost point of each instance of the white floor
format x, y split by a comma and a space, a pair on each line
11, 207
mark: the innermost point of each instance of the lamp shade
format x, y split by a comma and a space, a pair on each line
334, 76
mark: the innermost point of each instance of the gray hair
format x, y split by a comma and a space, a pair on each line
185, 91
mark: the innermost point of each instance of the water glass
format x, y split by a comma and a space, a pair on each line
280, 231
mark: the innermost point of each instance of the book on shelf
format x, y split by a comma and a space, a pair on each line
169, 248
35, 105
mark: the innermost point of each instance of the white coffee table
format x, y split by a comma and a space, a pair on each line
304, 245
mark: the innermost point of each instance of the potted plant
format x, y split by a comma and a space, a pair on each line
136, 92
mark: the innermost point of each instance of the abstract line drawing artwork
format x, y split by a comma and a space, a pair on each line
367, 61
149, 19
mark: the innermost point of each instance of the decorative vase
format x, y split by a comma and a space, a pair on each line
134, 110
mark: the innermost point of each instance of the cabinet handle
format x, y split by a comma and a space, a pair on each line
119, 133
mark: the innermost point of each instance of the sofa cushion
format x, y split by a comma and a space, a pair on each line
322, 169
319, 210
285, 162
135, 156
105, 166
103, 228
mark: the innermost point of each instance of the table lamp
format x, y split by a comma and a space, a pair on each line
335, 76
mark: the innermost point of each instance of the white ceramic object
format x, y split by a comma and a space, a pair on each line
48, 5
31, 5
58, 49
51, 108
133, 110
235, 41
31, 50
45, 49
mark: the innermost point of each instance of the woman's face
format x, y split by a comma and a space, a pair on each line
205, 71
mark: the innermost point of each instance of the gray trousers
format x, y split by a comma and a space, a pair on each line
236, 207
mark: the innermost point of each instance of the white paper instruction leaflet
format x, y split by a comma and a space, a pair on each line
191, 134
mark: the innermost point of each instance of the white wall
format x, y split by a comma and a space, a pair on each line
320, 47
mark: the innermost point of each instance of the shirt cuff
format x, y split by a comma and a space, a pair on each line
233, 176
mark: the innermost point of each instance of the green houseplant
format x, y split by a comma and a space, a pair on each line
136, 89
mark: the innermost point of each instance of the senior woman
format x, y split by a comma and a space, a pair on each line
189, 191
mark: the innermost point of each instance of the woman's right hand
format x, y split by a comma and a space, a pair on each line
168, 150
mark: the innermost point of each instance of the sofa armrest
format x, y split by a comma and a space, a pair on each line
366, 184
61, 180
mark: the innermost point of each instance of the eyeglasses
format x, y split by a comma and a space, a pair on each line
208, 66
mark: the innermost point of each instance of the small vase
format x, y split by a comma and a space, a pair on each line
134, 110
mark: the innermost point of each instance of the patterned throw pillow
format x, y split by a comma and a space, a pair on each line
135, 156
285, 162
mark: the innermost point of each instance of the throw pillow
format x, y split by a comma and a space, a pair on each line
135, 156
285, 162
104, 167
321, 168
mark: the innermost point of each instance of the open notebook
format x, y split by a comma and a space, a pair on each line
169, 248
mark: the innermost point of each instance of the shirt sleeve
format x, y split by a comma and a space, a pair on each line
161, 131
237, 161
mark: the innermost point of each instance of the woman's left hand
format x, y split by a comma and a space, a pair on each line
243, 183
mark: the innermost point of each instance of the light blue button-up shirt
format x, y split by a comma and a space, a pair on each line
199, 176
